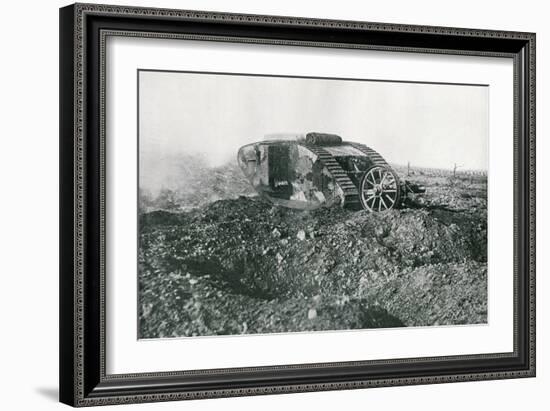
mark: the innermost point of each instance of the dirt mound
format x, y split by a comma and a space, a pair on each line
245, 261
191, 306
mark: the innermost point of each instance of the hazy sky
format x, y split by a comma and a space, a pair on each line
430, 125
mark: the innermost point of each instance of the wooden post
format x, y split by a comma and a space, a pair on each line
455, 168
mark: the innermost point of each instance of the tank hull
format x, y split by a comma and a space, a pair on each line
321, 171
289, 174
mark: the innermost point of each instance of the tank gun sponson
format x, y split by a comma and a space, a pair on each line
323, 170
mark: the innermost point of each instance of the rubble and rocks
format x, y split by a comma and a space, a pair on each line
244, 265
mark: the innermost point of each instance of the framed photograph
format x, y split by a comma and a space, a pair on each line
261, 204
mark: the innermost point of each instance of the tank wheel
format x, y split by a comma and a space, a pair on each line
379, 189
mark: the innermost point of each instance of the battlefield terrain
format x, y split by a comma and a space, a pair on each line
216, 259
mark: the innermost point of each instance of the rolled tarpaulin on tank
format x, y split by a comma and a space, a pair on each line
322, 139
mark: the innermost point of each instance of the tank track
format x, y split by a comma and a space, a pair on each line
351, 193
376, 158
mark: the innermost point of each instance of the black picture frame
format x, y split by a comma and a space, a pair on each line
83, 381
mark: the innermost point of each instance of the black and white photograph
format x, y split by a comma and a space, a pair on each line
284, 200
278, 204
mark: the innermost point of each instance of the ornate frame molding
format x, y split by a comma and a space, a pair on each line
82, 369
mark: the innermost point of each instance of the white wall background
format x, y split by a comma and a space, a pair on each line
29, 205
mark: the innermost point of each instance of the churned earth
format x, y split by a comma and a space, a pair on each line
242, 265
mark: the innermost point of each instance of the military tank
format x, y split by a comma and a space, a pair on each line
322, 170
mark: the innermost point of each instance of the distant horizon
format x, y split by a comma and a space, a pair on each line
428, 125
149, 184
204, 154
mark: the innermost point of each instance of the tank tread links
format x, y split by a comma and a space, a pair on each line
322, 170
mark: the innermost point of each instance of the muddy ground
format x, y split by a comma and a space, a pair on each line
241, 265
